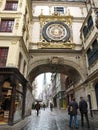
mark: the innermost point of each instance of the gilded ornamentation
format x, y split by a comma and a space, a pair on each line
58, 28
62, 24
66, 45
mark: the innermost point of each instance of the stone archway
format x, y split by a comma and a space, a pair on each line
57, 64
41, 63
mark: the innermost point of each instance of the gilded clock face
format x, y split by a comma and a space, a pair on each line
56, 31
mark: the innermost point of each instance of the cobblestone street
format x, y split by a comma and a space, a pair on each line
55, 120
49, 120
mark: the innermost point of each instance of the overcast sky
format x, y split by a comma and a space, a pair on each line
40, 81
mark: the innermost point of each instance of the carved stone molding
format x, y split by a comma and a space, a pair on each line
17, 24
14, 42
56, 60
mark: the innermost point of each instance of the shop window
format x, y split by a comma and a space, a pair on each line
18, 102
5, 101
3, 56
11, 5
18, 106
19, 87
6, 25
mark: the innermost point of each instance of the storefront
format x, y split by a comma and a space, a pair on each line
13, 87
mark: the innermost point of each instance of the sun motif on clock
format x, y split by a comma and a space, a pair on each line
56, 31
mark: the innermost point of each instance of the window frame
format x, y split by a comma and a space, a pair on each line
3, 56
57, 9
11, 5
6, 25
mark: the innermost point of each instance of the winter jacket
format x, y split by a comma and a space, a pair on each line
72, 109
83, 106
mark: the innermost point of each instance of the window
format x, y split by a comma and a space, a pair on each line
3, 56
88, 27
85, 31
6, 25
90, 22
11, 5
59, 10
20, 60
24, 67
93, 54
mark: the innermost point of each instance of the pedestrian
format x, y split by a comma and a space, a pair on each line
72, 111
83, 107
44, 106
51, 106
37, 107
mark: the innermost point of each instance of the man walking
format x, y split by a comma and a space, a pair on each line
83, 107
37, 107
72, 110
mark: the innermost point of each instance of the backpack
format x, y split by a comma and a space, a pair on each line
70, 109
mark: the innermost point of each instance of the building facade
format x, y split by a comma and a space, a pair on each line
58, 90
39, 36
14, 86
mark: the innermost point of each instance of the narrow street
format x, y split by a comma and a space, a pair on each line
52, 120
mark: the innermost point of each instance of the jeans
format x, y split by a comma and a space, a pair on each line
75, 120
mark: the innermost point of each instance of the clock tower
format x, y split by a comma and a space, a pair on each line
56, 31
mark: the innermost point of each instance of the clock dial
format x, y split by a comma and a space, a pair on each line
56, 31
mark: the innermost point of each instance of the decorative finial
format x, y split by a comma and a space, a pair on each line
68, 12
41, 12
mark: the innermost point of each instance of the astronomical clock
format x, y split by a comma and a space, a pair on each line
56, 31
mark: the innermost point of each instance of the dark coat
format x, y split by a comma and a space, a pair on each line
83, 106
37, 106
72, 109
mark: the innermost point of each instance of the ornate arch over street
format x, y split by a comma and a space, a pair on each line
59, 65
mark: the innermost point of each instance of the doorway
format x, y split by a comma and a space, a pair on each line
96, 92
